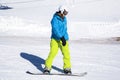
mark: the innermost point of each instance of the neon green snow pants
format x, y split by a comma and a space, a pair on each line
54, 47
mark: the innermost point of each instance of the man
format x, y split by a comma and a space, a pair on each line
59, 39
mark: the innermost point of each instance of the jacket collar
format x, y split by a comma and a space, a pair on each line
56, 15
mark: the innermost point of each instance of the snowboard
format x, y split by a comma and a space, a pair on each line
59, 74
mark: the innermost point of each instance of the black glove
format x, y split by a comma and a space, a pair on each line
63, 41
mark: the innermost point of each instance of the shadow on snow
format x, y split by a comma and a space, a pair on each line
37, 61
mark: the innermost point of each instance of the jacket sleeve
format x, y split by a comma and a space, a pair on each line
55, 28
65, 27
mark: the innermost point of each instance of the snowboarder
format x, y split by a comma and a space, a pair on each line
59, 39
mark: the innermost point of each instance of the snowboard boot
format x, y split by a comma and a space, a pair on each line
46, 70
67, 71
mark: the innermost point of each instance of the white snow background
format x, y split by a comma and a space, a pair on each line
93, 26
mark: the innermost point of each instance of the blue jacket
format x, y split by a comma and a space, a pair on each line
59, 27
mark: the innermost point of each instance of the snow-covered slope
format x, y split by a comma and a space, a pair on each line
25, 34
91, 18
15, 26
21, 54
